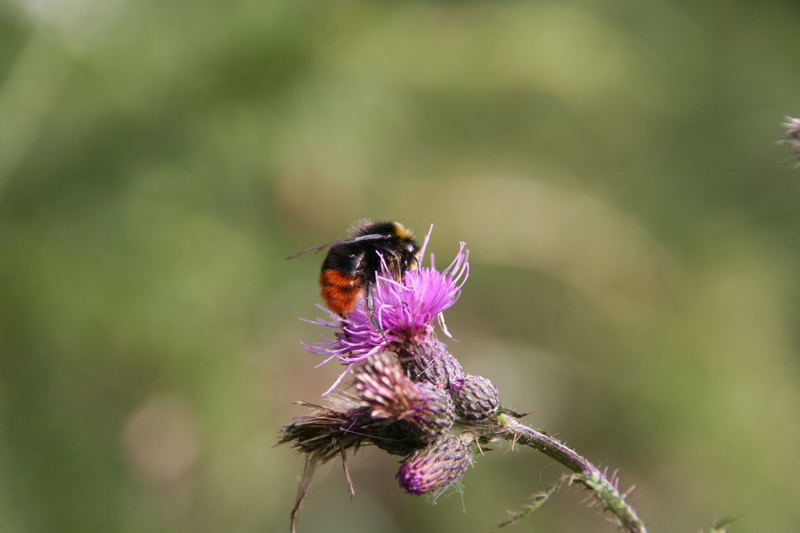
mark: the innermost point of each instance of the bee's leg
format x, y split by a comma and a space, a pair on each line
371, 307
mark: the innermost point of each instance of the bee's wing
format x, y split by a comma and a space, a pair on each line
370, 237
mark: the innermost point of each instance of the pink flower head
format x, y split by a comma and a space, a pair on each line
405, 310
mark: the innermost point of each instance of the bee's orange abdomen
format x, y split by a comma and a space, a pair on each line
339, 290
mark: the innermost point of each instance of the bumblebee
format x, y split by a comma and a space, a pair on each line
349, 269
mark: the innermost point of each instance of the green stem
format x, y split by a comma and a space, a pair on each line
586, 473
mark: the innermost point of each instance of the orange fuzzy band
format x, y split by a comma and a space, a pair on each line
339, 290
336, 278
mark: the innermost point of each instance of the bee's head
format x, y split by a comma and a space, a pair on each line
406, 247
409, 254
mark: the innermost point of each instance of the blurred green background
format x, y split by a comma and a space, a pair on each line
633, 231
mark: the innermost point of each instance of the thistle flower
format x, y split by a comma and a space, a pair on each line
327, 431
388, 393
406, 405
436, 467
404, 309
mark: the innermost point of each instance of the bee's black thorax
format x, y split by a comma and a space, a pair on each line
362, 260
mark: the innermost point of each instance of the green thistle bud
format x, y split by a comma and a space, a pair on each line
437, 415
432, 362
434, 468
476, 398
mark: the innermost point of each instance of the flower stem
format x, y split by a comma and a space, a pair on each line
586, 473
